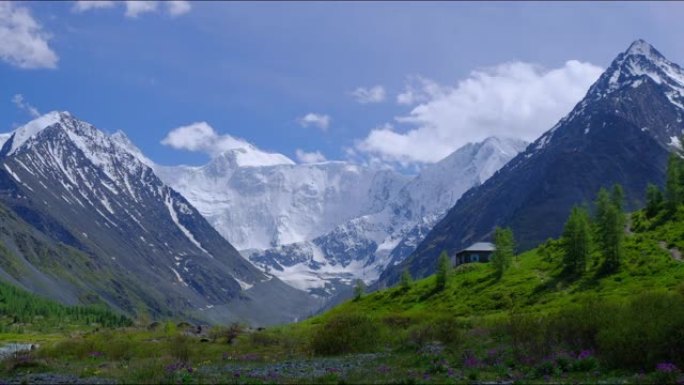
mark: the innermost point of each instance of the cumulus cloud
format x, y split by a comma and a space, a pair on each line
200, 136
512, 100
87, 5
23, 43
309, 157
317, 120
23, 105
177, 7
419, 89
375, 94
135, 8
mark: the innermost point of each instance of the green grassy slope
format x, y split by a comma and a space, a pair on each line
534, 282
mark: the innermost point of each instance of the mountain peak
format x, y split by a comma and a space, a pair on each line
641, 62
25, 132
641, 47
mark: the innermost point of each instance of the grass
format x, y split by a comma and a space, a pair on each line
533, 324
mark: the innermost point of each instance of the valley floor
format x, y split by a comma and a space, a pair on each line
533, 324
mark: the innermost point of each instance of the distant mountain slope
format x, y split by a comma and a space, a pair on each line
364, 246
620, 132
142, 245
259, 207
318, 226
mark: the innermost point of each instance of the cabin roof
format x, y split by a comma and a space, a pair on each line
479, 246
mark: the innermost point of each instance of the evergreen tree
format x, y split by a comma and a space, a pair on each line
617, 197
443, 268
505, 250
406, 280
673, 186
610, 227
654, 200
576, 241
359, 289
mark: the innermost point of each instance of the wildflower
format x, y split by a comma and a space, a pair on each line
383, 369
95, 354
470, 360
666, 367
584, 354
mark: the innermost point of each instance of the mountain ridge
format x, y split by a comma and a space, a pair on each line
603, 140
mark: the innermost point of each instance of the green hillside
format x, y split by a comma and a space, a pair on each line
21, 311
604, 303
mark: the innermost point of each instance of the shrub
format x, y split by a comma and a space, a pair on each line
443, 329
179, 347
346, 333
648, 330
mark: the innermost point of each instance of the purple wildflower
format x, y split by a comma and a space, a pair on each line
383, 369
667, 367
584, 354
470, 360
95, 354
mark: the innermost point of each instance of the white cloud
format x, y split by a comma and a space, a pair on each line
200, 136
177, 7
419, 89
375, 94
513, 99
317, 120
23, 105
135, 8
309, 157
23, 43
87, 5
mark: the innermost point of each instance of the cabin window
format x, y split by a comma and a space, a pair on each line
475, 258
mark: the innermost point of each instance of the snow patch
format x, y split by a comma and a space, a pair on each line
9, 170
243, 285
174, 216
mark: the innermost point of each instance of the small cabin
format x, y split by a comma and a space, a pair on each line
477, 252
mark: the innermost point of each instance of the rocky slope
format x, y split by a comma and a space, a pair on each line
621, 132
129, 238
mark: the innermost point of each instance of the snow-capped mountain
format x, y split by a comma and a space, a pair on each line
319, 225
620, 132
259, 207
138, 241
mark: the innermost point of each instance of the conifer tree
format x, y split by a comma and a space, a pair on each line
406, 280
654, 200
610, 226
576, 241
617, 197
443, 268
505, 250
673, 182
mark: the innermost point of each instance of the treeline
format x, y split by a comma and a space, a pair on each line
20, 307
604, 232
666, 203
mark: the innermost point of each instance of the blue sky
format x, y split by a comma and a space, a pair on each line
254, 70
